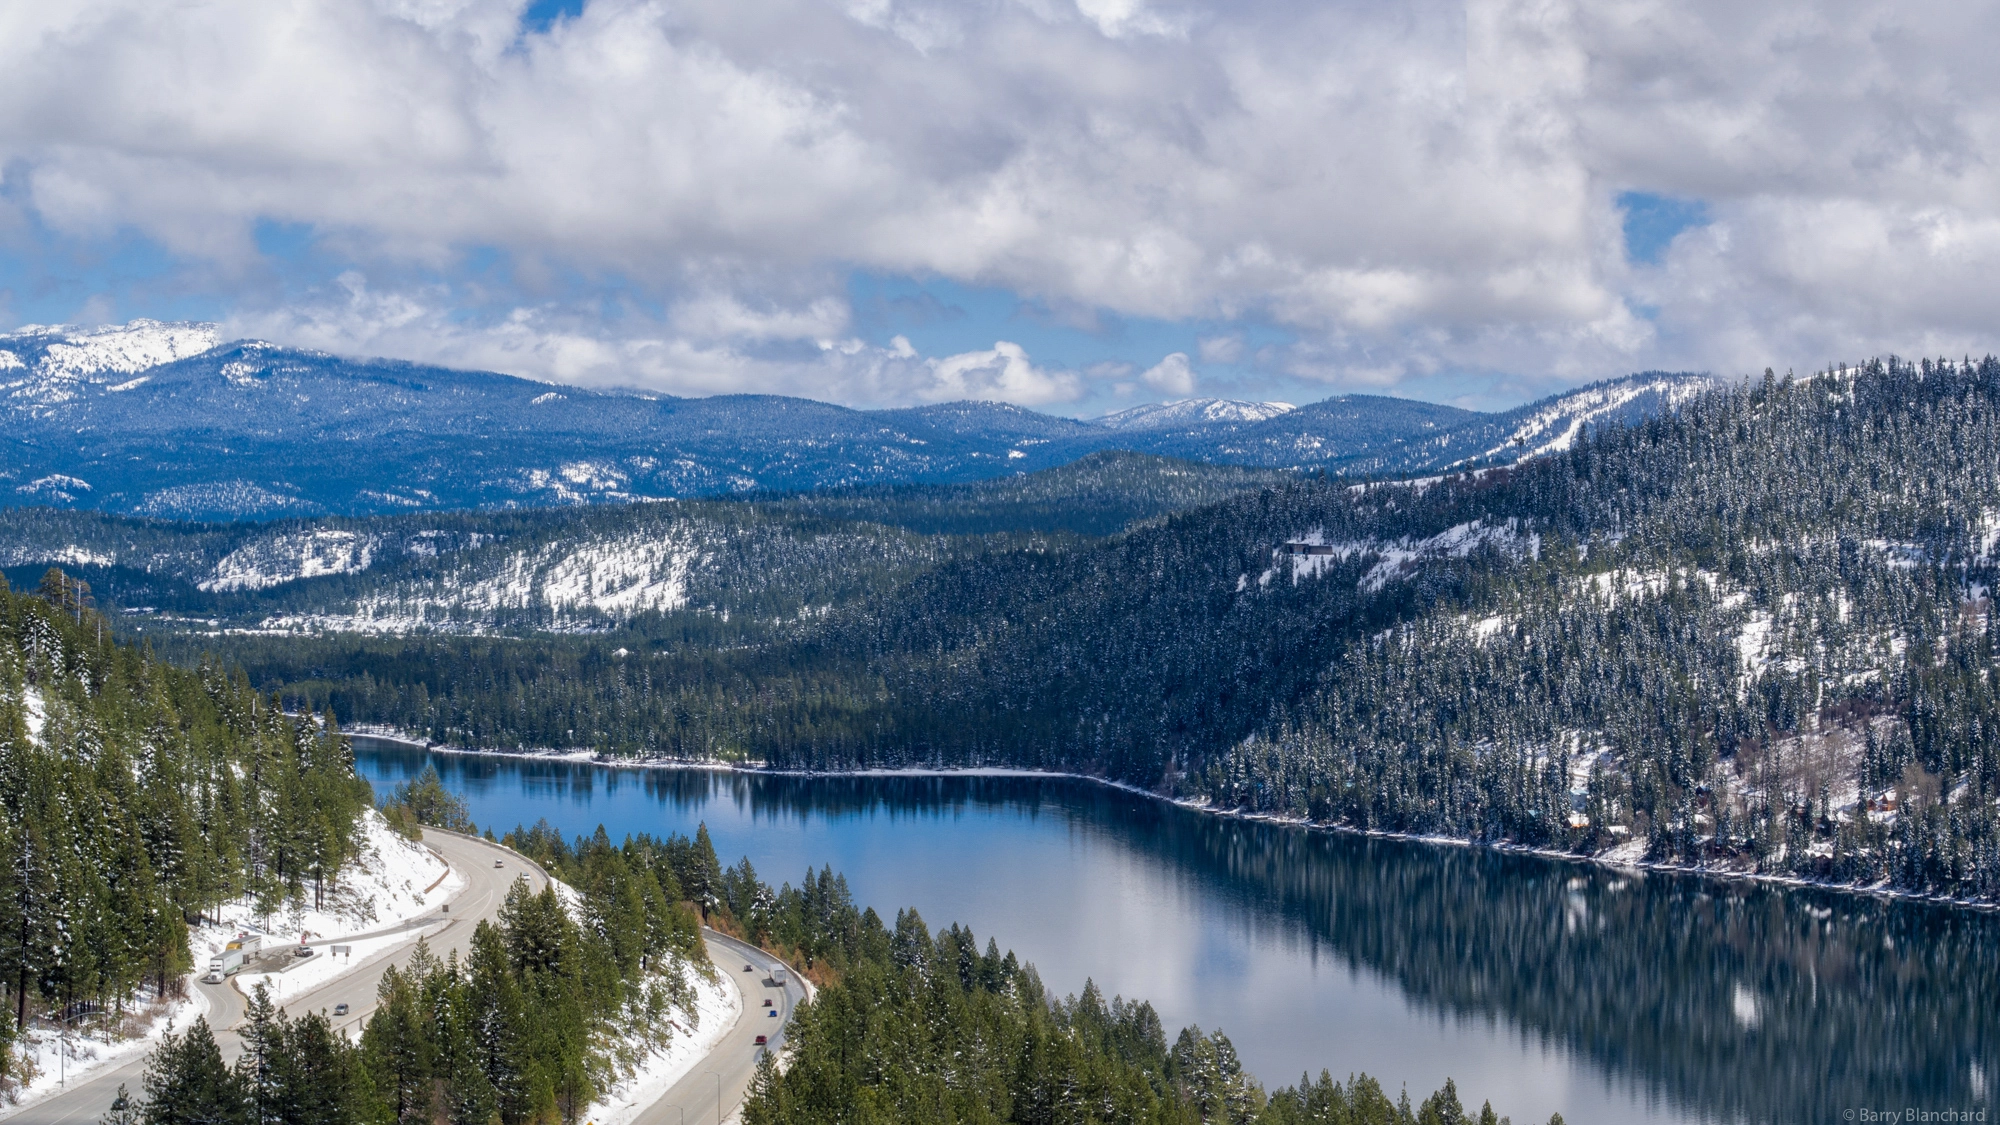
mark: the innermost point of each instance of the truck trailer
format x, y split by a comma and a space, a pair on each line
224, 964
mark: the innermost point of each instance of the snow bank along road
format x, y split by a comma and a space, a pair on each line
711, 1093
484, 893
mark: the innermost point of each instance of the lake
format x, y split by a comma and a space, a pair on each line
1542, 985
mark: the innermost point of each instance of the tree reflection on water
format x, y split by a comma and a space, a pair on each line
1738, 1000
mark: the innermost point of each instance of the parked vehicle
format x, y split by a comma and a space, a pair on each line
305, 951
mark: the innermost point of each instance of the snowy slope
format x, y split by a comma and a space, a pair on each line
1553, 425
1193, 413
571, 584
43, 364
1399, 558
718, 1007
288, 558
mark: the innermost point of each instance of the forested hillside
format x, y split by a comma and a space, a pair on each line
134, 796
570, 570
1752, 632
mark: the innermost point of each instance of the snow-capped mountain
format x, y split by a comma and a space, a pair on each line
43, 364
1193, 413
164, 420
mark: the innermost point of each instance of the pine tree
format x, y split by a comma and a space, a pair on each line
187, 1084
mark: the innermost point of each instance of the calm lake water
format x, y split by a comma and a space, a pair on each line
1541, 985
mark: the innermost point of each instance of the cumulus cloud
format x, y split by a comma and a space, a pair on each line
1003, 373
1171, 375
1401, 190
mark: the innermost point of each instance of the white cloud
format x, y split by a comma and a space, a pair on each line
1408, 189
570, 347
1003, 373
1171, 375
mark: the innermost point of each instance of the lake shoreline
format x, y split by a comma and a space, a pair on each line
1602, 860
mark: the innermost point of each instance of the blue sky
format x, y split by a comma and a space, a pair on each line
1070, 204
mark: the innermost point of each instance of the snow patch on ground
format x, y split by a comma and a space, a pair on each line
1752, 639
1631, 853
289, 558
719, 1004
62, 358
616, 576
237, 498
55, 1059
69, 555
395, 881
621, 577
1396, 558
35, 712
55, 486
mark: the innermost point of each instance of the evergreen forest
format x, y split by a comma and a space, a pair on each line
134, 797
1751, 632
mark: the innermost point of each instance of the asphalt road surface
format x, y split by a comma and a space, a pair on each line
481, 898
711, 1093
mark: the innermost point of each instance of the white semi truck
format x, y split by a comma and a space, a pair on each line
224, 964
230, 961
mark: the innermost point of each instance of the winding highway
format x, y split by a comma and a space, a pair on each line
485, 891
707, 1095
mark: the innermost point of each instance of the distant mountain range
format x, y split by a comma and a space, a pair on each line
169, 420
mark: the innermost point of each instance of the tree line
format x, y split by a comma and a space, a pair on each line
135, 797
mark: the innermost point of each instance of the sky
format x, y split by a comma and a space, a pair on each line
1075, 205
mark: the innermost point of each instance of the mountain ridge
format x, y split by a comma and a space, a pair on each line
133, 419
